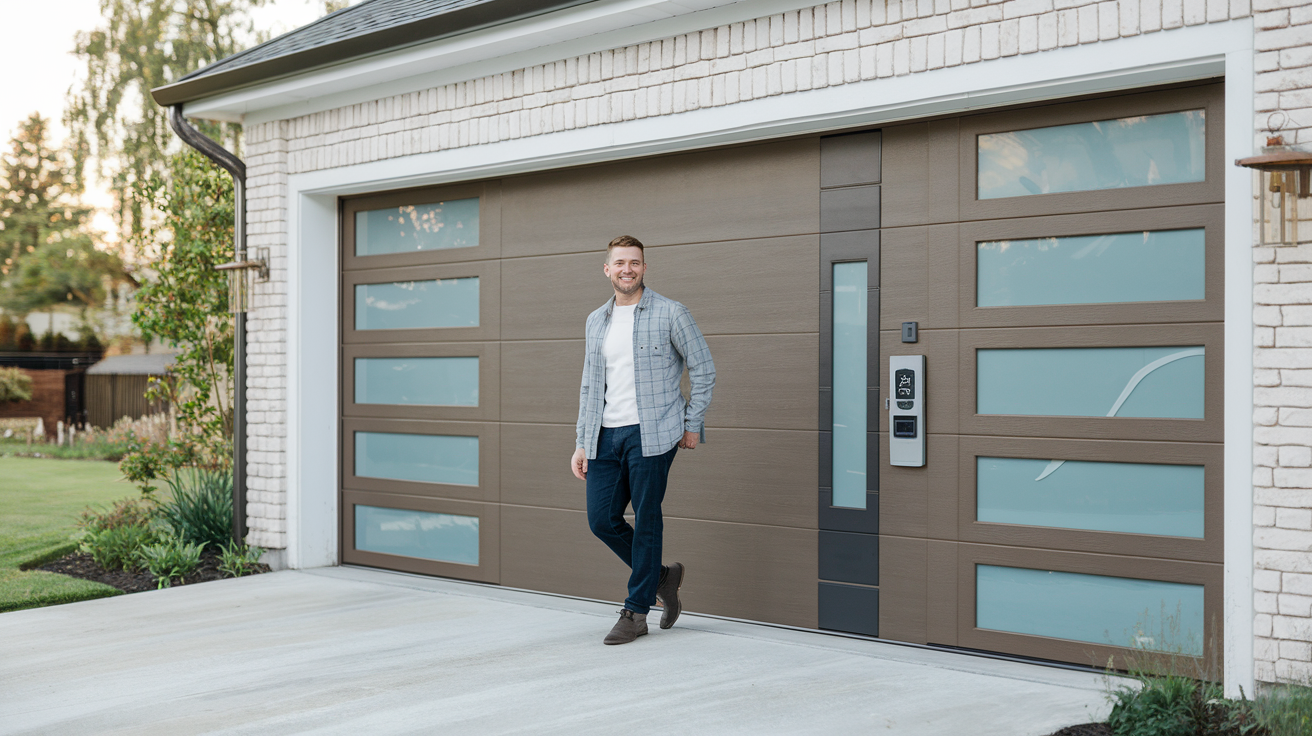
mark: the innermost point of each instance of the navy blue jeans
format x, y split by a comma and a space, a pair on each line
620, 475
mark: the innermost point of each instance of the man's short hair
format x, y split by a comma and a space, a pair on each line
624, 241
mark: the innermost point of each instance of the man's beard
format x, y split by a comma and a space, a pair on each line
619, 286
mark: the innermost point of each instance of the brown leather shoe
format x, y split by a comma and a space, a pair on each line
630, 626
667, 593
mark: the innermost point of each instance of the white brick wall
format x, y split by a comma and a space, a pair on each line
1282, 416
827, 45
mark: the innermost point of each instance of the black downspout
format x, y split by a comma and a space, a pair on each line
235, 166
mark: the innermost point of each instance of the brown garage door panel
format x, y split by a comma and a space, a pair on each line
962, 593
741, 286
489, 458
489, 375
762, 573
736, 476
963, 496
744, 192
535, 467
488, 569
920, 173
919, 277
765, 381
902, 570
540, 381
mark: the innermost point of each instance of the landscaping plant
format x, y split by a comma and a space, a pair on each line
117, 548
171, 559
200, 510
1286, 711
237, 559
15, 385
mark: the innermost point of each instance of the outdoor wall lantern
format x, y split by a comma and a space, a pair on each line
1285, 189
242, 275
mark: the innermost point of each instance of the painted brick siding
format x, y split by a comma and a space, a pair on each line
1282, 316
827, 45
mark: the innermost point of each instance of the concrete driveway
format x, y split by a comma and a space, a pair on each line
342, 650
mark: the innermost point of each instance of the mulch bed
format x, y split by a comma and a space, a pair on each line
1086, 729
80, 565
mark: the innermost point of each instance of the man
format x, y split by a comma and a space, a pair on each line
632, 420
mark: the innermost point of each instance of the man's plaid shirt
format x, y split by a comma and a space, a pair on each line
665, 337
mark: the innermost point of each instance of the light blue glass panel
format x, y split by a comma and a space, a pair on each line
417, 227
408, 305
1138, 498
429, 458
1141, 614
417, 381
850, 310
1091, 382
1153, 266
1109, 154
422, 534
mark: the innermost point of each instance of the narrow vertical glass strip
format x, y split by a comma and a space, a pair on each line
422, 534
417, 381
1136, 498
850, 310
1099, 609
427, 458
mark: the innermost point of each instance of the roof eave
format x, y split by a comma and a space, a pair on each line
456, 22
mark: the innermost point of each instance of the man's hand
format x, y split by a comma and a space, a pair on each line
579, 464
689, 441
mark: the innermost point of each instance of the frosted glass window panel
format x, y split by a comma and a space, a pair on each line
1152, 266
422, 534
410, 305
1147, 150
1137, 498
1099, 609
417, 227
417, 381
1165, 382
851, 301
427, 458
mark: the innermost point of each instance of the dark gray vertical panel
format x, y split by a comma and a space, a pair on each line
849, 608
846, 160
849, 558
849, 208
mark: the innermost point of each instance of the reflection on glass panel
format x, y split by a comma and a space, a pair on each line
417, 381
1137, 498
850, 304
1152, 266
408, 305
422, 534
1109, 154
428, 458
1162, 382
413, 227
1140, 614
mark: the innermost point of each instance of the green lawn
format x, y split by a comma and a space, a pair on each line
39, 502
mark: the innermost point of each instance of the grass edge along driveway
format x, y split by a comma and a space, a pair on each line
39, 502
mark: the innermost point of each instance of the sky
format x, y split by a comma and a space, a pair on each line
37, 53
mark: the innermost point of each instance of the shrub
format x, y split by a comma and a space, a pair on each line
15, 385
171, 559
1286, 711
118, 548
123, 512
200, 511
236, 559
1163, 706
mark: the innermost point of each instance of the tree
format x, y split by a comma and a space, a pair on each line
49, 255
185, 304
15, 385
145, 44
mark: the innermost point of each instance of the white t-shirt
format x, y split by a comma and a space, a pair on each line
621, 407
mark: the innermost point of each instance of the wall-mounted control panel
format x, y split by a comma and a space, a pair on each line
906, 410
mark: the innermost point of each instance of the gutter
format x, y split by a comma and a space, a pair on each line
230, 73
237, 168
